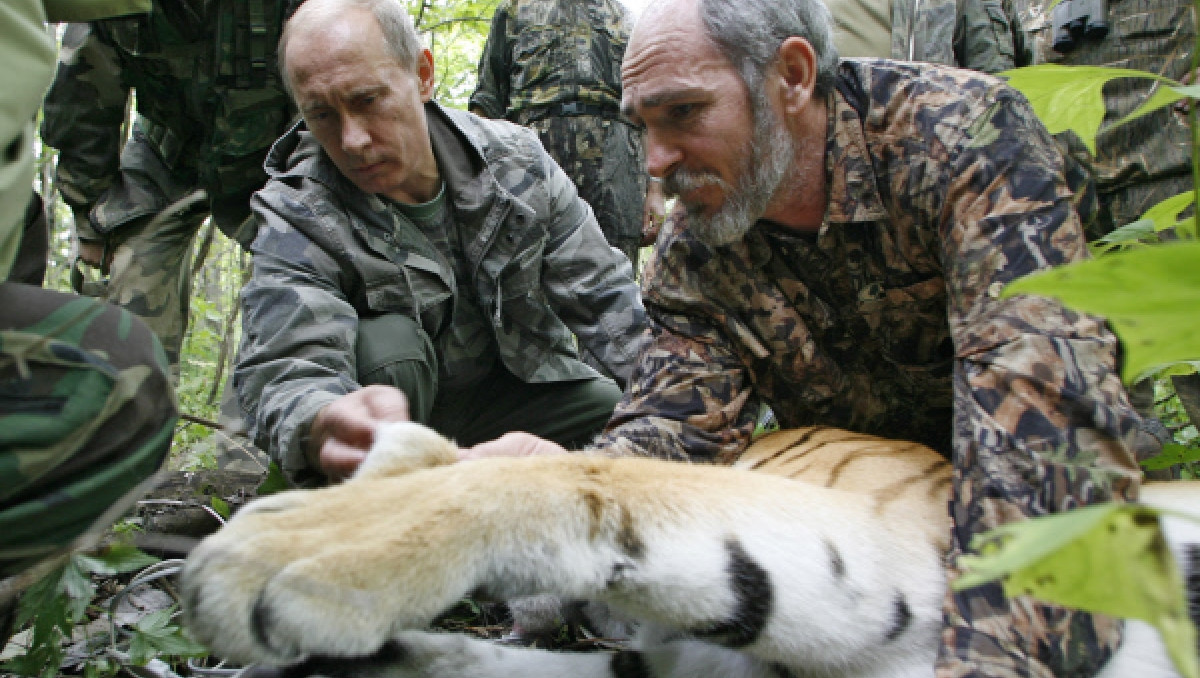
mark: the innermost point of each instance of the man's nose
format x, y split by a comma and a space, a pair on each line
662, 154
355, 137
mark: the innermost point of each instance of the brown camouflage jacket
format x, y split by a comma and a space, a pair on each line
942, 187
327, 253
544, 52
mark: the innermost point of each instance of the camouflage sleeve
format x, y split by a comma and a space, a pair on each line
589, 284
1042, 423
298, 332
691, 396
988, 37
491, 90
83, 114
89, 10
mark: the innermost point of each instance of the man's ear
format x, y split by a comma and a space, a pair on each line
425, 74
796, 62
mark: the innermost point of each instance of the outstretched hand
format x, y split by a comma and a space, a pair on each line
343, 431
515, 444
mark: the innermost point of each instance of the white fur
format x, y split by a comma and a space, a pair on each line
342, 570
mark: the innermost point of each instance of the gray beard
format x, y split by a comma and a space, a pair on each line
769, 160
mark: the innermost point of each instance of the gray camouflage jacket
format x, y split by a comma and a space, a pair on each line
983, 35
327, 252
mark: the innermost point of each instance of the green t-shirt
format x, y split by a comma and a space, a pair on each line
466, 349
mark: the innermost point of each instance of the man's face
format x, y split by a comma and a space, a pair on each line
364, 109
723, 152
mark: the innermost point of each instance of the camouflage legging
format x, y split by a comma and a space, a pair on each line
603, 157
86, 414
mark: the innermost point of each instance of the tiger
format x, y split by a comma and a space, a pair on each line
818, 553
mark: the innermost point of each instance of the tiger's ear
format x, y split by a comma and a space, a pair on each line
403, 447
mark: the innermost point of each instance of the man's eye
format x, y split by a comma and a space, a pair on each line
681, 111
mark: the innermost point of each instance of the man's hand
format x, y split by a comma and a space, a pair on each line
515, 444
344, 430
91, 252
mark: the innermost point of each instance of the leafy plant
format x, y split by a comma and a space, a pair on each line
1110, 558
61, 601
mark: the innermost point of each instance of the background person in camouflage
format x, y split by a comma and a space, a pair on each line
439, 259
983, 35
209, 107
86, 410
555, 66
842, 232
1145, 161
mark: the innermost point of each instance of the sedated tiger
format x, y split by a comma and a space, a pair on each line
820, 552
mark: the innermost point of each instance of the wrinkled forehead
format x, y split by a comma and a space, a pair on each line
667, 56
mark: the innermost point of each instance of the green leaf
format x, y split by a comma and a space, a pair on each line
115, 559
1158, 218
1165, 214
154, 634
1190, 91
221, 507
1106, 558
1172, 454
78, 588
1148, 295
1140, 232
1070, 97
274, 482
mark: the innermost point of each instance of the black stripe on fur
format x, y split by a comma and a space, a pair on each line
754, 594
629, 664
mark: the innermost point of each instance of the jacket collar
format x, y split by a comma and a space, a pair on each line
849, 171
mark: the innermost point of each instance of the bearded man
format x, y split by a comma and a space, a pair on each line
842, 233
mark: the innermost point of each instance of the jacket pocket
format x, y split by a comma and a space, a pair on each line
248, 121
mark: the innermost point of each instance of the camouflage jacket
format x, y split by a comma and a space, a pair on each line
1142, 162
983, 35
208, 111
942, 187
545, 52
327, 253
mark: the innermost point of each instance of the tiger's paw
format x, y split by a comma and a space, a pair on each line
314, 573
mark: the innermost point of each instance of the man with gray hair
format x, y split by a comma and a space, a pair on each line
416, 261
842, 232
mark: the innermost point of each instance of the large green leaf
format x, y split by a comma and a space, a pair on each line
1069, 97
1107, 558
1150, 296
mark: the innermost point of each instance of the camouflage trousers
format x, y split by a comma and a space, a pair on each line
392, 350
30, 264
87, 413
604, 159
149, 274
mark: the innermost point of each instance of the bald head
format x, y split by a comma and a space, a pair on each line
390, 16
746, 32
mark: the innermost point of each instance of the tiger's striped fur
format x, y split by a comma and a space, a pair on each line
820, 553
